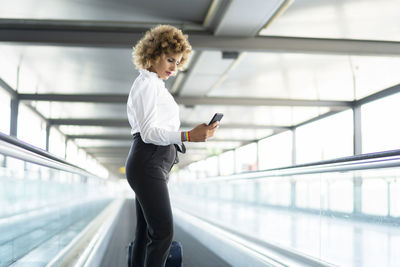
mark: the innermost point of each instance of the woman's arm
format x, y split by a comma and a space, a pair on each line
200, 133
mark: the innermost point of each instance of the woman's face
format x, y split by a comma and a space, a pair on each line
166, 66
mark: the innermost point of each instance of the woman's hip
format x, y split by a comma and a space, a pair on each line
149, 160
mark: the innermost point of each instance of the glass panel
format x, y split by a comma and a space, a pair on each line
211, 147
246, 158
9, 62
199, 168
5, 112
375, 197
31, 128
365, 69
394, 205
257, 115
380, 124
341, 218
28, 80
227, 163
43, 209
353, 19
328, 138
275, 151
56, 143
212, 166
240, 134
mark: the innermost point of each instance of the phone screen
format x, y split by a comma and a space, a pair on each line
216, 117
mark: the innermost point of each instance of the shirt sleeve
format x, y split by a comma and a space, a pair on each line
143, 100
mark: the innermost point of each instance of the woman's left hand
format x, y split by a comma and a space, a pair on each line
203, 131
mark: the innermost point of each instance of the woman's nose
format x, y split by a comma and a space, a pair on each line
173, 67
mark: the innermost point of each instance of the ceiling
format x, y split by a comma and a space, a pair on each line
267, 65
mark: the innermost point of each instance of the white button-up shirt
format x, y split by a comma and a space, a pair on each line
152, 110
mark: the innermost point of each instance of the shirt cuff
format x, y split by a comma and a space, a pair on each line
175, 138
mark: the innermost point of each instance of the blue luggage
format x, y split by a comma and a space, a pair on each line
175, 255
174, 258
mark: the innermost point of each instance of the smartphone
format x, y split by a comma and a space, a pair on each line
217, 117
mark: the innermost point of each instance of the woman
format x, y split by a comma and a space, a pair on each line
154, 117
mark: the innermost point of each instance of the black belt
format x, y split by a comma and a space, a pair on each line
178, 147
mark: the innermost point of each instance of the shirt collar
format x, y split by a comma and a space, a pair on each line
151, 74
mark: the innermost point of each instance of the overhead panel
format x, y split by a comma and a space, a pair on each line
73, 70
246, 18
149, 11
350, 19
308, 76
209, 68
241, 19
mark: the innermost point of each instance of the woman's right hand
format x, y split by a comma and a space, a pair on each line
203, 131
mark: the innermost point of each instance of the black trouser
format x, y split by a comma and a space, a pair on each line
147, 170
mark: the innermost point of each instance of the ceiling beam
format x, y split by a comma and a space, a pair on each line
91, 122
124, 122
92, 25
116, 160
190, 101
101, 149
101, 34
378, 95
85, 98
8, 89
129, 137
243, 101
283, 44
110, 155
101, 136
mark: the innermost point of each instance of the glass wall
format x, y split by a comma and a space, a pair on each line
5, 112
329, 138
341, 218
227, 163
275, 151
246, 158
42, 209
31, 128
212, 166
56, 143
80, 158
381, 125
9, 65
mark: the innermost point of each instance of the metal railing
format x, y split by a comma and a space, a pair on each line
385, 159
53, 208
12, 147
242, 197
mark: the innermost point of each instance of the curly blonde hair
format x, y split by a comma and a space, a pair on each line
162, 39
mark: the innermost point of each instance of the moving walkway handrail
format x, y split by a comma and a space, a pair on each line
12, 147
385, 159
